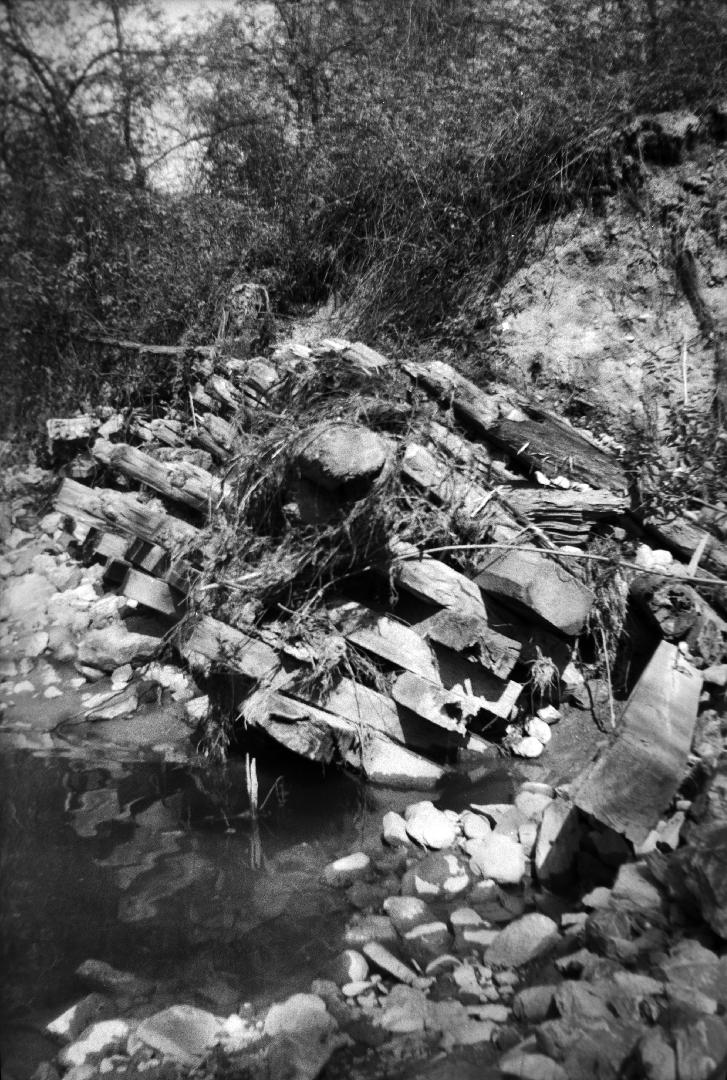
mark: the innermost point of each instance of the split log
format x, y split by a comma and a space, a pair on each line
156, 560
255, 377
152, 593
473, 406
631, 783
300, 726
552, 504
168, 432
539, 584
155, 350
546, 443
474, 456
446, 485
200, 398
434, 581
123, 512
179, 481
366, 360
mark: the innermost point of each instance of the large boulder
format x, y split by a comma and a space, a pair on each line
114, 645
335, 455
522, 941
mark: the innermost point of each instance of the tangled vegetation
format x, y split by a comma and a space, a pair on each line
396, 157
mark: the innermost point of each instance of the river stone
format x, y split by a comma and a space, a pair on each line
114, 645
365, 928
532, 804
429, 827
654, 1056
475, 826
538, 729
101, 976
696, 969
463, 917
557, 844
530, 1066
334, 454
436, 876
534, 1003
427, 941
394, 831
528, 747
633, 889
701, 1048
499, 858
74, 1021
523, 940
25, 601
348, 967
344, 871
469, 1033
96, 1042
704, 866
407, 912
183, 1033
405, 1010
299, 1013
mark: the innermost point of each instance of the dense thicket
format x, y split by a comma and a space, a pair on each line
398, 153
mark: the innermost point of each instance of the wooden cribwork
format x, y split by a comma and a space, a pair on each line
124, 513
179, 481
631, 784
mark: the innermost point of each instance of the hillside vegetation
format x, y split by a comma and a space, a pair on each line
397, 159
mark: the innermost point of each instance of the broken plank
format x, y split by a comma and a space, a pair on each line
151, 592
300, 726
630, 784
453, 707
386, 638
384, 762
466, 631
365, 359
434, 581
534, 581
70, 429
108, 545
444, 483
681, 614
124, 513
546, 504
179, 481
474, 456
220, 644
168, 432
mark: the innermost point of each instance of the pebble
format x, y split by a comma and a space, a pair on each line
475, 826
407, 912
52, 692
394, 830
549, 713
349, 967
25, 687
436, 876
343, 872
532, 804
530, 1066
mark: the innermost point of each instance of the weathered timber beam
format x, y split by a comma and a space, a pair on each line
467, 632
476, 408
122, 512
179, 481
432, 580
152, 593
632, 782
540, 584
386, 638
220, 644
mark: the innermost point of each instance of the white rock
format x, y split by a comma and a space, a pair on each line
528, 1065
405, 1011
465, 917
528, 747
95, 1042
498, 857
475, 826
52, 692
121, 675
25, 687
538, 729
492, 811
549, 713
74, 1021
394, 829
32, 645
345, 871
108, 648
429, 827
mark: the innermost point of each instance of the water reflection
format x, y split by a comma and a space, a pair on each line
160, 868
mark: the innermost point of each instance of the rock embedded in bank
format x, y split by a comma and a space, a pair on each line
348, 869
522, 941
436, 876
336, 455
497, 857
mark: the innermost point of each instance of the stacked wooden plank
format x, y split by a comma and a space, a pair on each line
449, 667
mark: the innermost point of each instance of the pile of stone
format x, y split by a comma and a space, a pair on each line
522, 939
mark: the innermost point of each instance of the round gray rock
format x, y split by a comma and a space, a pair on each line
335, 454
